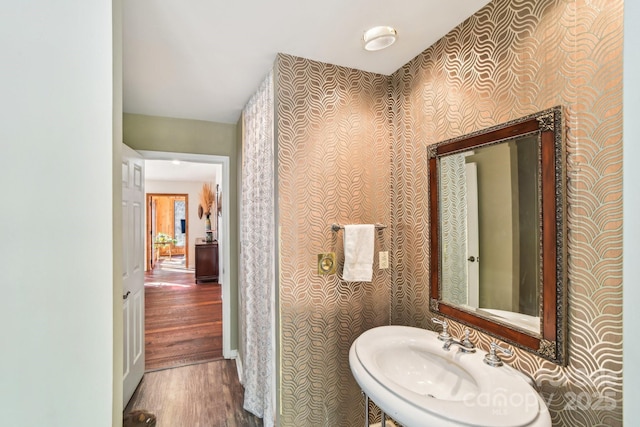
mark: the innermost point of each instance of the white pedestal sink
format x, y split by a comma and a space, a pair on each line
408, 374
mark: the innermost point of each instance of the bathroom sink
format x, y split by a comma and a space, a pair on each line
424, 373
408, 374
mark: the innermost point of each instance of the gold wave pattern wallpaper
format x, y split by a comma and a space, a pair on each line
511, 59
352, 148
332, 127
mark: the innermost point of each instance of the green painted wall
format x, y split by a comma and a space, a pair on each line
195, 137
57, 132
631, 268
116, 182
180, 135
235, 226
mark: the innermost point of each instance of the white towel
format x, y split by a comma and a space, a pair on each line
358, 252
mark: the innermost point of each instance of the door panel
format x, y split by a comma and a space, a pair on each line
127, 339
133, 271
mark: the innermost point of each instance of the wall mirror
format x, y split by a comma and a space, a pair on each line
497, 218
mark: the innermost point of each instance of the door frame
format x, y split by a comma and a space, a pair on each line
473, 239
224, 245
149, 244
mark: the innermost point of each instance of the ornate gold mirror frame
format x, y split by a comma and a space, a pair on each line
548, 125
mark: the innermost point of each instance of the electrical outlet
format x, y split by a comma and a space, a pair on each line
383, 259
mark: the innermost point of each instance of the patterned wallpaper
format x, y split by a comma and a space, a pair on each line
352, 149
333, 130
511, 59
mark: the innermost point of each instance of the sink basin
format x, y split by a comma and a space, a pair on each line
408, 374
425, 373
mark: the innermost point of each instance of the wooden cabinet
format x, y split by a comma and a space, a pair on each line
206, 261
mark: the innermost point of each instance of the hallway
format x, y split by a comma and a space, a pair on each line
187, 381
200, 395
183, 321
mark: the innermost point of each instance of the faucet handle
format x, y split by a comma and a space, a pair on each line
444, 335
492, 358
467, 345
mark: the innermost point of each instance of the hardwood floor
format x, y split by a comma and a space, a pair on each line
183, 321
182, 387
202, 395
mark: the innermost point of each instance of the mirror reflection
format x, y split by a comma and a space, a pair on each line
490, 217
497, 232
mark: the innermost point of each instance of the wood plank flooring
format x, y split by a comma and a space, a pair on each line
183, 321
183, 332
202, 395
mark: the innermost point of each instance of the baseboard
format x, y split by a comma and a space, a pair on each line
239, 368
231, 354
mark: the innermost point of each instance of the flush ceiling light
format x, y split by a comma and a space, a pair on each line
377, 38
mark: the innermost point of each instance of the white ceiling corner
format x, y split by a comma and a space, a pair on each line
203, 59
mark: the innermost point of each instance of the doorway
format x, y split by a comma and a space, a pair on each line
229, 313
168, 230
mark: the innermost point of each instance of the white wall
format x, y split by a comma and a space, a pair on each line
195, 225
631, 191
56, 136
116, 179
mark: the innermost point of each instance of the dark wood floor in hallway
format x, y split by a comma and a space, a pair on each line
187, 383
183, 321
201, 395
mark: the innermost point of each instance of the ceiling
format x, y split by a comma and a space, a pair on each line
167, 170
203, 59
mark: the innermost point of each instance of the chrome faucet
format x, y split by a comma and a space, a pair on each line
444, 335
465, 344
492, 358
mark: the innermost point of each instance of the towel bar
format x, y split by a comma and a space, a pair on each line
338, 227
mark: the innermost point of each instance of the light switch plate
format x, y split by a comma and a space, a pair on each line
383, 259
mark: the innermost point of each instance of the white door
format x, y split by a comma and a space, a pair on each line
132, 269
473, 240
